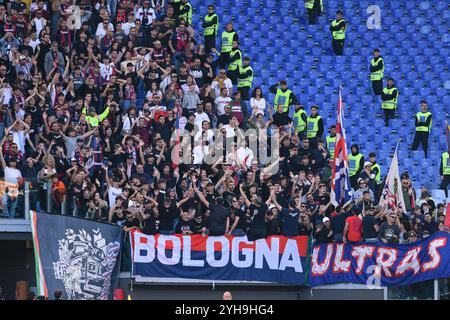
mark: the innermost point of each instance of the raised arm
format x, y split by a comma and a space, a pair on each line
200, 194
247, 202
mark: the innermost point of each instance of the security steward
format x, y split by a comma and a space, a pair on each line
185, 12
377, 72
228, 36
355, 165
314, 127
376, 169
389, 98
314, 7
283, 95
234, 62
210, 25
330, 141
337, 29
300, 119
445, 172
423, 126
245, 79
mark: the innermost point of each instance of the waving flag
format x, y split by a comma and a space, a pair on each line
341, 193
392, 195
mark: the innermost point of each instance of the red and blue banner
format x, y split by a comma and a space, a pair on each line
380, 264
275, 259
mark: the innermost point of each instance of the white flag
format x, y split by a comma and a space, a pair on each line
392, 195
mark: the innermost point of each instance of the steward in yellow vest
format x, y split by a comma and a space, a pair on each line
210, 25
423, 126
376, 169
314, 127
300, 119
389, 97
283, 95
337, 29
355, 165
377, 72
330, 141
234, 62
445, 172
185, 12
228, 36
245, 79
314, 7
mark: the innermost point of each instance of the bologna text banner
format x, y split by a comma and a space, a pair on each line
78, 256
274, 259
380, 264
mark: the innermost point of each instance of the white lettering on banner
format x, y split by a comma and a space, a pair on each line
253, 255
246, 252
271, 255
225, 251
148, 248
386, 263
176, 250
340, 265
187, 261
434, 254
319, 269
291, 250
361, 253
409, 262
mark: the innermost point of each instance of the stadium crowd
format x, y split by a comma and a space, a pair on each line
90, 109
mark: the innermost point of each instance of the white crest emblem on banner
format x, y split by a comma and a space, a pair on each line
86, 264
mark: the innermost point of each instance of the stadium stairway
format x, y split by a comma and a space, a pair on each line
414, 42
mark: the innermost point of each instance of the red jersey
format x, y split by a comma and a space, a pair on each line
354, 228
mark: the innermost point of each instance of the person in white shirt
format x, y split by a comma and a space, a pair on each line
222, 100
129, 24
101, 29
12, 176
200, 116
106, 68
114, 189
257, 101
231, 127
244, 155
221, 81
205, 133
20, 130
146, 14
38, 22
34, 41
199, 152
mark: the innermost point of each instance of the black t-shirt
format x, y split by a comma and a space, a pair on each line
368, 227
217, 219
185, 226
151, 225
129, 223
199, 75
258, 215
242, 223
166, 216
289, 220
338, 223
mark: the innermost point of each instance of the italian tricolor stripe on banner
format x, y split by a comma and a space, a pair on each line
41, 287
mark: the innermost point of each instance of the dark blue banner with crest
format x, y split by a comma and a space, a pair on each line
78, 256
